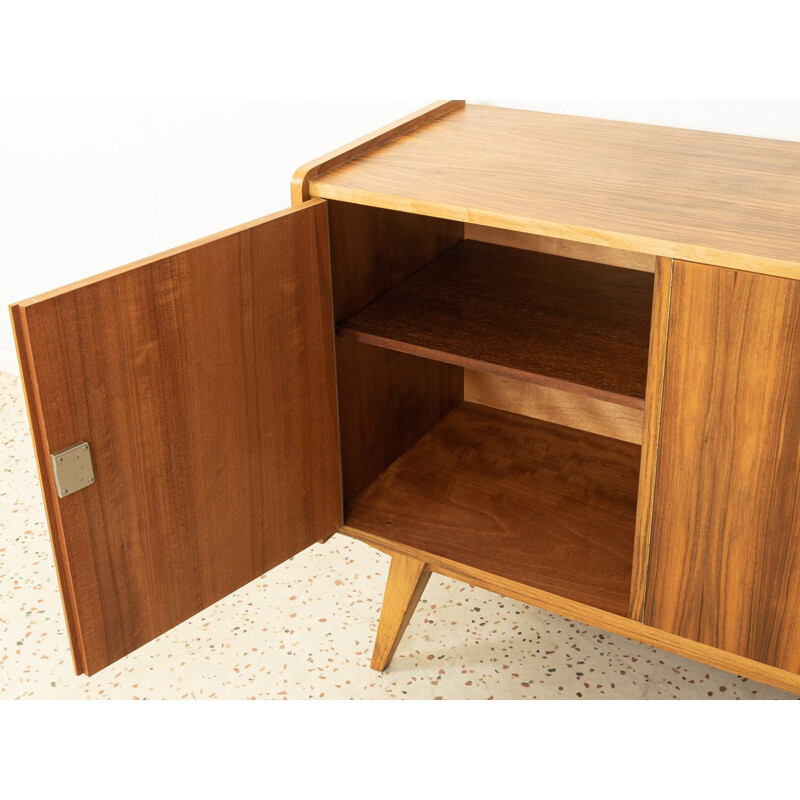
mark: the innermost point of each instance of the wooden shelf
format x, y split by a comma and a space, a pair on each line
547, 506
569, 324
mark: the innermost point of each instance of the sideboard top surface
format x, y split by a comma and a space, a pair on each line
711, 197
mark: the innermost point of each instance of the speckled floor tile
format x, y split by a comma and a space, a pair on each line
306, 629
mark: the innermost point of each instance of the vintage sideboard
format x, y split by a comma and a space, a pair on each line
555, 357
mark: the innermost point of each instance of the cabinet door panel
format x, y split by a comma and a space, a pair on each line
725, 547
203, 381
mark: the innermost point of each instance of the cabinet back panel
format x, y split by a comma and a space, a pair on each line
387, 400
554, 405
725, 549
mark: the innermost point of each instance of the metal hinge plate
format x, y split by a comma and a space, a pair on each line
72, 468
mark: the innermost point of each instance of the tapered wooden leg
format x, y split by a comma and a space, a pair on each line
404, 587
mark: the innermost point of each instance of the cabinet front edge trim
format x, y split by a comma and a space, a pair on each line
319, 188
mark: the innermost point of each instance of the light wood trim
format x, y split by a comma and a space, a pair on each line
561, 247
588, 615
659, 331
308, 172
554, 405
407, 580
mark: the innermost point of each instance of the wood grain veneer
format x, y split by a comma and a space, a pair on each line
569, 324
525, 500
203, 379
725, 550
714, 198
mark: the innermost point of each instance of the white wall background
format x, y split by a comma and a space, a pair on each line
86, 187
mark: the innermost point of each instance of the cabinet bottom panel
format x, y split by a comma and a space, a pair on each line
539, 504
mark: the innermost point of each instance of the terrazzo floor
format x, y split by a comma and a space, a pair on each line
305, 630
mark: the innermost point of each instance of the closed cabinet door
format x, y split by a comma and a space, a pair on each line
724, 558
183, 411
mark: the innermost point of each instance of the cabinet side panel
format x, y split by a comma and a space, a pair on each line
725, 550
387, 400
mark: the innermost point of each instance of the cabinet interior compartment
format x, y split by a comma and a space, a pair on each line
529, 501
490, 402
387, 400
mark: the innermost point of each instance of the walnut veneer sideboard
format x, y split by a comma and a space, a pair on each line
555, 357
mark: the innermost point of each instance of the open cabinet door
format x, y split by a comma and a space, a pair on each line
203, 382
